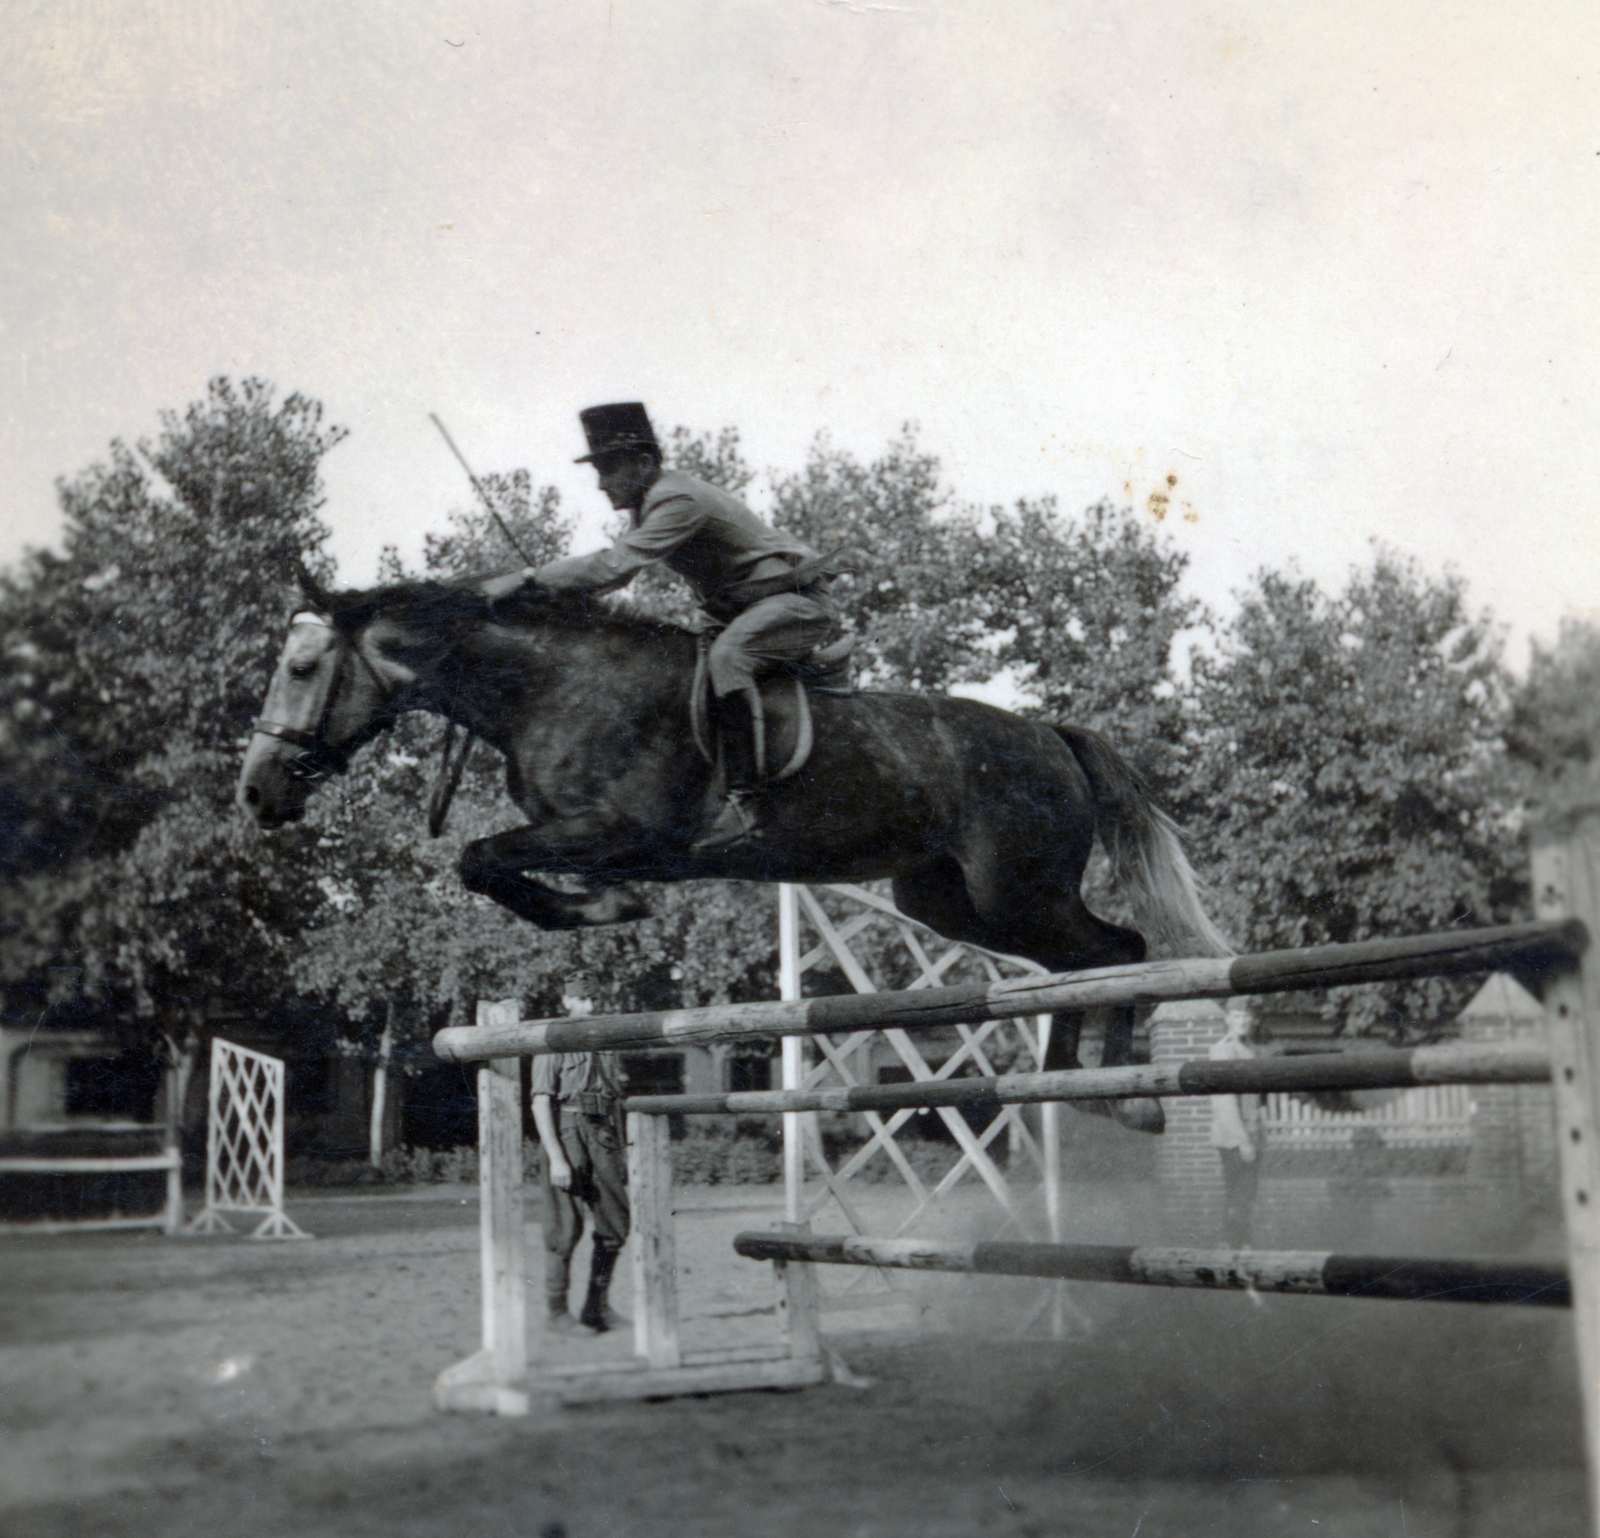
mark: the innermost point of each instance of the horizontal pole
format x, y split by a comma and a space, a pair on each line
68, 1166
1487, 1063
1529, 947
1312, 1272
83, 1225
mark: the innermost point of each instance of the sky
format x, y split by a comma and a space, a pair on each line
1332, 266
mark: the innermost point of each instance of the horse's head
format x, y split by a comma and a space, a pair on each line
334, 688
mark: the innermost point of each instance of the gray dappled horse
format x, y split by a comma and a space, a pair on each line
983, 820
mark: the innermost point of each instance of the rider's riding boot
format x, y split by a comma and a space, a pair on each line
737, 819
597, 1313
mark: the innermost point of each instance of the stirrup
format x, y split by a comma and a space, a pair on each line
735, 821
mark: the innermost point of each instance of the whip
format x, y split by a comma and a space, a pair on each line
477, 486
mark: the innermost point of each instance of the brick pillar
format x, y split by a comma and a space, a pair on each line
1188, 1168
1513, 1147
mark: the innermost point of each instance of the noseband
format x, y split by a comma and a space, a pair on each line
303, 765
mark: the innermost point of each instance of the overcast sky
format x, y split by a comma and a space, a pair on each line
1331, 265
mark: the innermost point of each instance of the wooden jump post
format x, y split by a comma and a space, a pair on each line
1566, 871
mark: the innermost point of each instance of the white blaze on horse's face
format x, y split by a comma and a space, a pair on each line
275, 781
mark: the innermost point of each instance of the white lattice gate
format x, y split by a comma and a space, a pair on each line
244, 1143
1025, 1196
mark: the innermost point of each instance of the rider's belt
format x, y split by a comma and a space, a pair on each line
589, 1103
807, 576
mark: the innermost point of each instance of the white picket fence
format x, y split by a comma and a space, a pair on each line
1431, 1117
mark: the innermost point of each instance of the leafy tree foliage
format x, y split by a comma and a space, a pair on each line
1553, 734
1348, 783
1088, 612
897, 531
132, 664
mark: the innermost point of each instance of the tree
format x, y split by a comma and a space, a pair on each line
1086, 612
133, 663
900, 536
1348, 780
1553, 732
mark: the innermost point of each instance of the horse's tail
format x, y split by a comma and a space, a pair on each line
1146, 847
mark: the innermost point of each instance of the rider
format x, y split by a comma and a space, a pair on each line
766, 589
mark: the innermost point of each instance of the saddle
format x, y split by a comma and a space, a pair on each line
784, 731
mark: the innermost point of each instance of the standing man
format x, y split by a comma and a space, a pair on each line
765, 589
577, 1107
1236, 1130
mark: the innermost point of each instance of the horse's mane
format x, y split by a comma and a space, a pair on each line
458, 603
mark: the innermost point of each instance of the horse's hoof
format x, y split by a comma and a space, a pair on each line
1142, 1113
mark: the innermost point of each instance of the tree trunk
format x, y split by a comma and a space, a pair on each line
380, 1087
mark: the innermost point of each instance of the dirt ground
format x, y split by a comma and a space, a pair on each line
217, 1387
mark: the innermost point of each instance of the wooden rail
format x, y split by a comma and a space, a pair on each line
1316, 1272
1535, 947
1487, 1063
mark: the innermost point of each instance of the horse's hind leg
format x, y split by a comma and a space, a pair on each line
1058, 931
936, 894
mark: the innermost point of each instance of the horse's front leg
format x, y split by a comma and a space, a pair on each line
588, 847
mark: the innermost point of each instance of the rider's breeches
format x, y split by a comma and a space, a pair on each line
593, 1146
783, 628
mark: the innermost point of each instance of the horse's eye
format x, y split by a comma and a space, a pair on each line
302, 670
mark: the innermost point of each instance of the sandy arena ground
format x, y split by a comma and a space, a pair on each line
215, 1387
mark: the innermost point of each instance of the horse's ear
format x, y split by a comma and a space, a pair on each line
312, 591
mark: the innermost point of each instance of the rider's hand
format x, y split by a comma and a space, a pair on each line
561, 1174
507, 583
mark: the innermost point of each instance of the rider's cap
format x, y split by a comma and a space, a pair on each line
580, 985
622, 425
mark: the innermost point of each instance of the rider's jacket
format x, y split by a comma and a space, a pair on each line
710, 538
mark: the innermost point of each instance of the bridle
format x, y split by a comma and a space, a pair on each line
304, 765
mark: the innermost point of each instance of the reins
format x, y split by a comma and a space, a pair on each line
449, 777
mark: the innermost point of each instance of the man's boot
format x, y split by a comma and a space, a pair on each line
558, 1321
597, 1313
737, 820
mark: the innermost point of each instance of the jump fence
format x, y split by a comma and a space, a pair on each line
244, 1144
1554, 950
59, 1153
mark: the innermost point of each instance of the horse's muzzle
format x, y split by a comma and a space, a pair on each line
269, 815
274, 785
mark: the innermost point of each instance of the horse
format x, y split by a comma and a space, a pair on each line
982, 820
